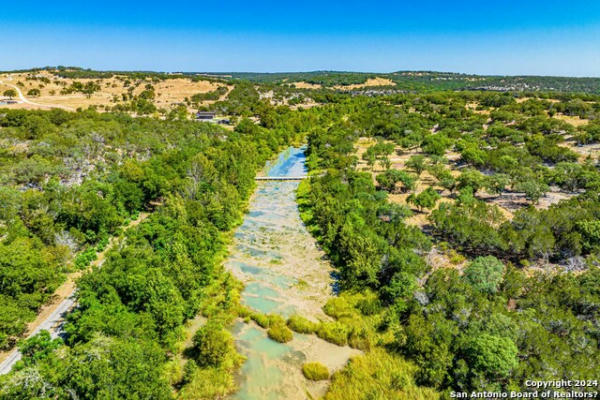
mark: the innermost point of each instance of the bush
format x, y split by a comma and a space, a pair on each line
301, 325
369, 306
338, 307
361, 339
102, 244
266, 320
280, 333
455, 258
33, 92
377, 375
333, 332
84, 258
206, 383
275, 319
243, 312
315, 371
261, 319
212, 344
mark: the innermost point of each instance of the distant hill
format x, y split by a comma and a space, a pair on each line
426, 80
346, 80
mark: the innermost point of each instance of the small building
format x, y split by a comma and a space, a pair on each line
205, 115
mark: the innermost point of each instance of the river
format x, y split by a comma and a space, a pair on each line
284, 272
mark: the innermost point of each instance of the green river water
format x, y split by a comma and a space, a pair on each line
284, 272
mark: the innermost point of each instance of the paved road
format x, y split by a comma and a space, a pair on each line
55, 321
24, 99
53, 324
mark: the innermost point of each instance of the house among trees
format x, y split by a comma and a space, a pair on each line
205, 115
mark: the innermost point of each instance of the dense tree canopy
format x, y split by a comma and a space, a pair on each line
515, 297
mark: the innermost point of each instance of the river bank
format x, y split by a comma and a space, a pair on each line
285, 273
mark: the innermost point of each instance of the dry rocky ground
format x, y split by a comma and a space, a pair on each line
371, 82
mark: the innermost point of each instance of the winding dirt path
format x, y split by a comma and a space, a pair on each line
31, 103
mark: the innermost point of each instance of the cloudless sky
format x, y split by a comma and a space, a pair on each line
486, 36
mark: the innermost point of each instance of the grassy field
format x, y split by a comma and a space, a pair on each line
50, 90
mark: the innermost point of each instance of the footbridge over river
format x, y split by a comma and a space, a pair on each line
281, 178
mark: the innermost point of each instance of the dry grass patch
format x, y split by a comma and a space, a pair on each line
573, 120
442, 257
473, 107
306, 85
168, 92
524, 99
377, 81
176, 90
584, 150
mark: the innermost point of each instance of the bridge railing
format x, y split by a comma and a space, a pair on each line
280, 178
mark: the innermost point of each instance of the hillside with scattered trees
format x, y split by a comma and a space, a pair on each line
460, 214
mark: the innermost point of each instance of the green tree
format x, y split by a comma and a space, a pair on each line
38, 347
471, 178
426, 199
485, 274
389, 179
370, 156
496, 183
10, 93
33, 92
444, 176
533, 189
417, 163
492, 356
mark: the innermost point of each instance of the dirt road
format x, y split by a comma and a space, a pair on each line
26, 101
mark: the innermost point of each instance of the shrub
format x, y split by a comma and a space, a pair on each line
315, 371
337, 307
102, 244
426, 199
265, 321
33, 92
377, 375
333, 332
455, 258
275, 319
261, 319
369, 306
206, 383
84, 258
212, 344
360, 339
301, 325
243, 312
280, 333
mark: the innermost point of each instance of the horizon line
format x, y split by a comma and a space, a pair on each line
58, 67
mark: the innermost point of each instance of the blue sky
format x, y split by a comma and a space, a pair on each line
486, 36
